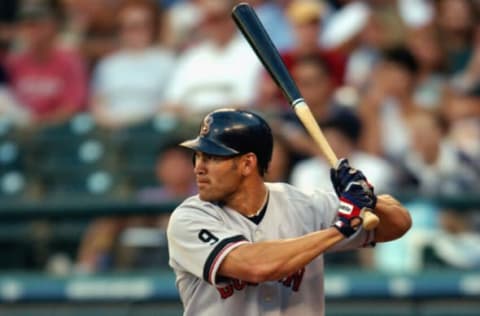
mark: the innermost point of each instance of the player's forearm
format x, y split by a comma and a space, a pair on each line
273, 260
395, 220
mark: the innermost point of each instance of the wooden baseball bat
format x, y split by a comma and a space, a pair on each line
252, 29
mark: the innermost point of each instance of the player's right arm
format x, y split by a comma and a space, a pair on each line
273, 260
200, 243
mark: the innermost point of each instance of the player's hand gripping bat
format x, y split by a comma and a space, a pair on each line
253, 30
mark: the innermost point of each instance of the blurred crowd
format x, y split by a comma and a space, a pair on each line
395, 85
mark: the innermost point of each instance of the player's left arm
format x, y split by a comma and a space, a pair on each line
395, 219
354, 191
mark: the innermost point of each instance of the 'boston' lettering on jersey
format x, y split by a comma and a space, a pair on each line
294, 281
227, 291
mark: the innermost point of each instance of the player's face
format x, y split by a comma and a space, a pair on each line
218, 178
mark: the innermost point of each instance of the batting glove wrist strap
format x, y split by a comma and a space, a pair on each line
344, 226
348, 209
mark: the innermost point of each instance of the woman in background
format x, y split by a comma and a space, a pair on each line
128, 85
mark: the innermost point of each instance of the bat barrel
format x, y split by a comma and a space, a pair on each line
253, 30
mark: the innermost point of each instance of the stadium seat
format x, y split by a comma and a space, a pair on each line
140, 177
13, 184
139, 146
160, 124
73, 153
86, 182
10, 155
79, 125
6, 127
66, 150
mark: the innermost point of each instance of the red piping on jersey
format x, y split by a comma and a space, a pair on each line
367, 238
219, 255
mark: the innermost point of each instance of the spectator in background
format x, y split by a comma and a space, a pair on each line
8, 8
272, 15
461, 103
128, 85
456, 21
462, 111
342, 130
47, 81
387, 103
9, 107
465, 88
361, 30
465, 134
358, 33
7, 103
315, 82
305, 17
102, 248
176, 180
174, 173
183, 18
424, 43
423, 40
316, 85
89, 27
279, 166
434, 163
221, 69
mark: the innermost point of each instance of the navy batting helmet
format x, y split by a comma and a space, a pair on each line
231, 132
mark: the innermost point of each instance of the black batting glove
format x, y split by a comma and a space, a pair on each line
355, 194
352, 186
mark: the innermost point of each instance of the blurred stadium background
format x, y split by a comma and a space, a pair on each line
94, 95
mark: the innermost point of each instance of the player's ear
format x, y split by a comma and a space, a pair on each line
249, 164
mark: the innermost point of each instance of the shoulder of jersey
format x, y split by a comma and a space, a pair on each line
195, 204
291, 192
287, 190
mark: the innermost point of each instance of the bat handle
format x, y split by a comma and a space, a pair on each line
370, 220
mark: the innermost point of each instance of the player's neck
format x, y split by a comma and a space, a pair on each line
249, 198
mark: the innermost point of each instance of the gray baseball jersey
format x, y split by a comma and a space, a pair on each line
201, 234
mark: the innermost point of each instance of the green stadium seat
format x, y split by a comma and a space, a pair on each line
88, 182
79, 125
141, 177
139, 147
13, 184
11, 155
76, 142
73, 153
7, 129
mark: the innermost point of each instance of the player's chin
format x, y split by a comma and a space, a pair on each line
205, 195
210, 195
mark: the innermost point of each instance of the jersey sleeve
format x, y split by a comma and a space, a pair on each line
326, 204
361, 239
198, 242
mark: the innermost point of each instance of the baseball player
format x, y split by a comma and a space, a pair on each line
246, 247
